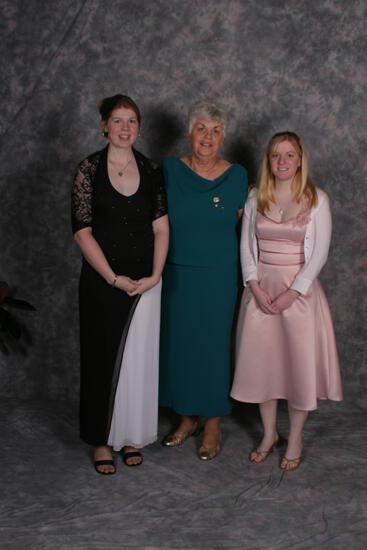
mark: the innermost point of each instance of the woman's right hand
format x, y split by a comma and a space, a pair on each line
125, 283
262, 298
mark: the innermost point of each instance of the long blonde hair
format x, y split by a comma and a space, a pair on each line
302, 187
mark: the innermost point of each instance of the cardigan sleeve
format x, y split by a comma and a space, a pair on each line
248, 247
322, 226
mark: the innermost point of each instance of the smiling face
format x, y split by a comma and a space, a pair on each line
284, 161
206, 137
122, 127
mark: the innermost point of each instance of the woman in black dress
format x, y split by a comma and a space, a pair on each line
120, 223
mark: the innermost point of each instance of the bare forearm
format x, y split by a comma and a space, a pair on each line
160, 253
161, 239
93, 254
253, 284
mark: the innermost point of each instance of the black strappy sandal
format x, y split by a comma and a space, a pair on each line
104, 463
131, 454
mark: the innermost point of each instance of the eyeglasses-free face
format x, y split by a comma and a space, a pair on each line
122, 127
206, 138
284, 161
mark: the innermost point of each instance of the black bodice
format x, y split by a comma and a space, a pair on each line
122, 225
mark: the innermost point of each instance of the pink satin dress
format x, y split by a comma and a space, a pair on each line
291, 355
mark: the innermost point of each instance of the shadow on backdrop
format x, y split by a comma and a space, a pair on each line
167, 132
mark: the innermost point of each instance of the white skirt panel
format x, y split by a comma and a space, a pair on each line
135, 412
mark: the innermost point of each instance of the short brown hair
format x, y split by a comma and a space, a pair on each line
109, 104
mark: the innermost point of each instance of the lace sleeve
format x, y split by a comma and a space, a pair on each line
82, 194
159, 195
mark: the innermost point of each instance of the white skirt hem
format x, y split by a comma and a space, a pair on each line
135, 411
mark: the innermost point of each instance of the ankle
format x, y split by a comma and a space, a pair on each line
104, 450
186, 424
295, 441
294, 450
270, 435
212, 435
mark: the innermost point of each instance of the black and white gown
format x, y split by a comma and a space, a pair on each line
119, 334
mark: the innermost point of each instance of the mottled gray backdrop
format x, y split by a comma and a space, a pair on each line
295, 64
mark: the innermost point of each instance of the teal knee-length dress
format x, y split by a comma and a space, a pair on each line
200, 284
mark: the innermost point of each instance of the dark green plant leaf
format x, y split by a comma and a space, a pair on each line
4, 289
9, 325
4, 315
14, 328
11, 330
3, 347
19, 304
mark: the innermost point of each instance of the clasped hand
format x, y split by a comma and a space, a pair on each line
281, 302
132, 287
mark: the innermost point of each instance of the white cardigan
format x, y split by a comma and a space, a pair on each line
316, 243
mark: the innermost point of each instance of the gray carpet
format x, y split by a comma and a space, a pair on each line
53, 499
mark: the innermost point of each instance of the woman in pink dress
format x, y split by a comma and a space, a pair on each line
285, 340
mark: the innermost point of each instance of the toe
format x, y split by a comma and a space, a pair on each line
133, 461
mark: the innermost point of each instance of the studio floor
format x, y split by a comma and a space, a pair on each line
53, 499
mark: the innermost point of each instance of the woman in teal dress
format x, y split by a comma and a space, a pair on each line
205, 201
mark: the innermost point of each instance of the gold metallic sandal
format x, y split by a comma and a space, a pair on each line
176, 439
208, 453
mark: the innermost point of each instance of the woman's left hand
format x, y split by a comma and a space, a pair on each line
285, 299
144, 284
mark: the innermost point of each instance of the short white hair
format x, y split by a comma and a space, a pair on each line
206, 110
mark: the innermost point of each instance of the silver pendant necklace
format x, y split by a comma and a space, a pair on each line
280, 209
121, 171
